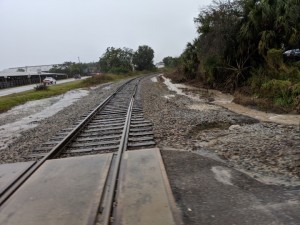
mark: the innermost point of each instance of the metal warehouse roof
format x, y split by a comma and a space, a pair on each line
32, 69
20, 74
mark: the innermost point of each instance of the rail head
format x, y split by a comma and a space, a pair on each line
116, 168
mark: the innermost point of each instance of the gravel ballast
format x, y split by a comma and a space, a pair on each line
261, 148
31, 139
182, 123
208, 151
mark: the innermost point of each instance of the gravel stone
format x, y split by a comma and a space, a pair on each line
265, 148
47, 128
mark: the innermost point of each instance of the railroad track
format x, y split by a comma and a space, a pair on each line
100, 131
115, 126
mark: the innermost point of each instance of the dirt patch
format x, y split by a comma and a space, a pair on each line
160, 79
176, 76
242, 138
259, 103
243, 95
208, 126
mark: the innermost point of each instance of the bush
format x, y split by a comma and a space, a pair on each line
276, 88
210, 69
275, 58
296, 89
280, 91
257, 78
293, 74
41, 87
296, 64
98, 79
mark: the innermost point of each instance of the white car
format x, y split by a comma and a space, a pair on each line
49, 80
292, 52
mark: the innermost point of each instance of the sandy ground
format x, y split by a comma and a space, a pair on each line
225, 100
214, 101
193, 133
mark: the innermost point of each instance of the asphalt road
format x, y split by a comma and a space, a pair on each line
209, 192
14, 90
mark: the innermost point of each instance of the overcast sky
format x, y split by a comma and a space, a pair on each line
37, 32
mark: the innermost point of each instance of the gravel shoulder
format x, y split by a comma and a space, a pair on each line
202, 127
31, 139
223, 167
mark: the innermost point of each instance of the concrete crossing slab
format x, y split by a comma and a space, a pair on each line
145, 196
62, 192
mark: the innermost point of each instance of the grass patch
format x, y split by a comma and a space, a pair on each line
9, 101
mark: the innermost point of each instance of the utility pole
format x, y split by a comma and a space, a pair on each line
39, 71
79, 66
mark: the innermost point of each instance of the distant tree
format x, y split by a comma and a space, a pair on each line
116, 60
71, 68
92, 67
171, 61
167, 61
143, 58
75, 68
190, 60
62, 68
20, 70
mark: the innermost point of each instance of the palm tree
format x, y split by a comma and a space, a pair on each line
269, 24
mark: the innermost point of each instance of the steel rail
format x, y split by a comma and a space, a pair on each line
116, 169
56, 150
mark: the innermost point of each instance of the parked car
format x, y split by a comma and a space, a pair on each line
293, 54
49, 80
77, 76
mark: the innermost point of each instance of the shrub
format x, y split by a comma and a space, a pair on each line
41, 87
275, 58
296, 89
293, 74
98, 79
296, 64
276, 88
213, 72
257, 78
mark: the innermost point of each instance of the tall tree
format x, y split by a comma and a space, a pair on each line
270, 24
70, 68
190, 60
143, 58
170, 61
116, 60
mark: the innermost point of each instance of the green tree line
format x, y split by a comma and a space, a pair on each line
117, 60
114, 60
72, 68
241, 43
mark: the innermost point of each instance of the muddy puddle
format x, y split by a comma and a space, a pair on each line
28, 115
212, 99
